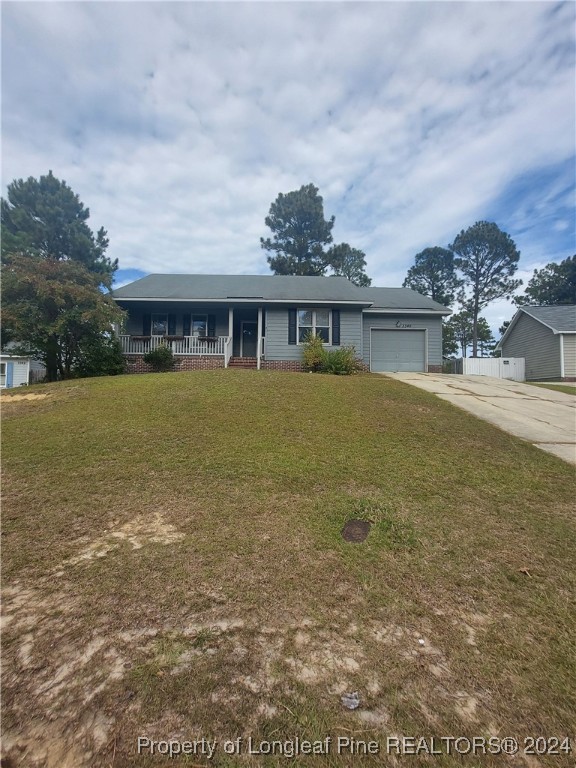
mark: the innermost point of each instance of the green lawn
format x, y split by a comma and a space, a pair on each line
173, 568
570, 389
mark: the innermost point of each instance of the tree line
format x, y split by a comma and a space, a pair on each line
473, 271
476, 269
56, 276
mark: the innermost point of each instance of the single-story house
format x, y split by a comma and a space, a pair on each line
14, 371
546, 338
261, 321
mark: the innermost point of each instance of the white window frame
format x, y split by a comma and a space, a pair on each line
3, 372
312, 328
159, 314
192, 324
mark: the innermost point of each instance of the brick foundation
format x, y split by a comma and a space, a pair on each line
136, 364
296, 366
434, 369
282, 365
568, 378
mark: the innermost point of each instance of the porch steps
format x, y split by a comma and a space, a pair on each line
242, 362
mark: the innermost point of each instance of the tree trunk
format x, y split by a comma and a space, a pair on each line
475, 328
52, 359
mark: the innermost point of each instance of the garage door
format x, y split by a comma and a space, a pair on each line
398, 350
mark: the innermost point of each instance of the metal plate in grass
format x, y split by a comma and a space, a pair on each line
356, 531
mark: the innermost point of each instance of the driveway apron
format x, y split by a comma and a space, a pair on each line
544, 417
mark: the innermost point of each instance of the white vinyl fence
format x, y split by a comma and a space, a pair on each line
499, 367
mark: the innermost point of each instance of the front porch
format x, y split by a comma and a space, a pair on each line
195, 333
200, 346
215, 347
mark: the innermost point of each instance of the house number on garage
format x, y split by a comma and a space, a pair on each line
403, 325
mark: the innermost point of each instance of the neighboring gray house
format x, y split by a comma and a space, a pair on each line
546, 338
260, 321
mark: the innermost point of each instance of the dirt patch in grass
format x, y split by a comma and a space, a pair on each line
136, 533
174, 569
18, 398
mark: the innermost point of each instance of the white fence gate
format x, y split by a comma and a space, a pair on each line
499, 367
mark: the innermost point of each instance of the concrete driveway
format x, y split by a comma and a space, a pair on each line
544, 417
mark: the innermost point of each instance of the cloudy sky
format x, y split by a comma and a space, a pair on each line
179, 123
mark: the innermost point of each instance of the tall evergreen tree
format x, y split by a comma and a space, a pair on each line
54, 270
433, 275
300, 233
486, 341
488, 259
45, 218
348, 262
460, 329
552, 285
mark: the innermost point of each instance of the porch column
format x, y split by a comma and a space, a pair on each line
230, 322
259, 338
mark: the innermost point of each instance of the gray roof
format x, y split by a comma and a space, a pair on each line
561, 319
256, 287
270, 288
402, 298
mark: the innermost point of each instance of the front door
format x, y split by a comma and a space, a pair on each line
248, 339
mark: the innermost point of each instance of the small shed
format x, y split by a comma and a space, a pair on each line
546, 338
14, 371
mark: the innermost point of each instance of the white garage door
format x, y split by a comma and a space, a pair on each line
397, 350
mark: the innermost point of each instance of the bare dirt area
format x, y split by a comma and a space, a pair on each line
73, 686
18, 398
83, 684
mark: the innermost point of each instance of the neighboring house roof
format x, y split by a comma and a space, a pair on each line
559, 319
272, 288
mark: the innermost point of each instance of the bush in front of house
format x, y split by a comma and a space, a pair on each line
314, 353
341, 361
101, 356
161, 359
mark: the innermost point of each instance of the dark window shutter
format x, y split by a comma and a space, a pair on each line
291, 326
146, 325
336, 327
186, 325
171, 325
211, 325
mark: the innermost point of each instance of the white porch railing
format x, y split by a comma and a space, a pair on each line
227, 350
182, 345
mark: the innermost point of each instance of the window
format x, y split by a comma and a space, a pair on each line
314, 321
199, 325
2, 374
159, 325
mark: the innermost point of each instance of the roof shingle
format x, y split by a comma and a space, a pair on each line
561, 319
273, 288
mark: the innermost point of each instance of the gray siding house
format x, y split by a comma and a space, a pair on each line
546, 338
261, 321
